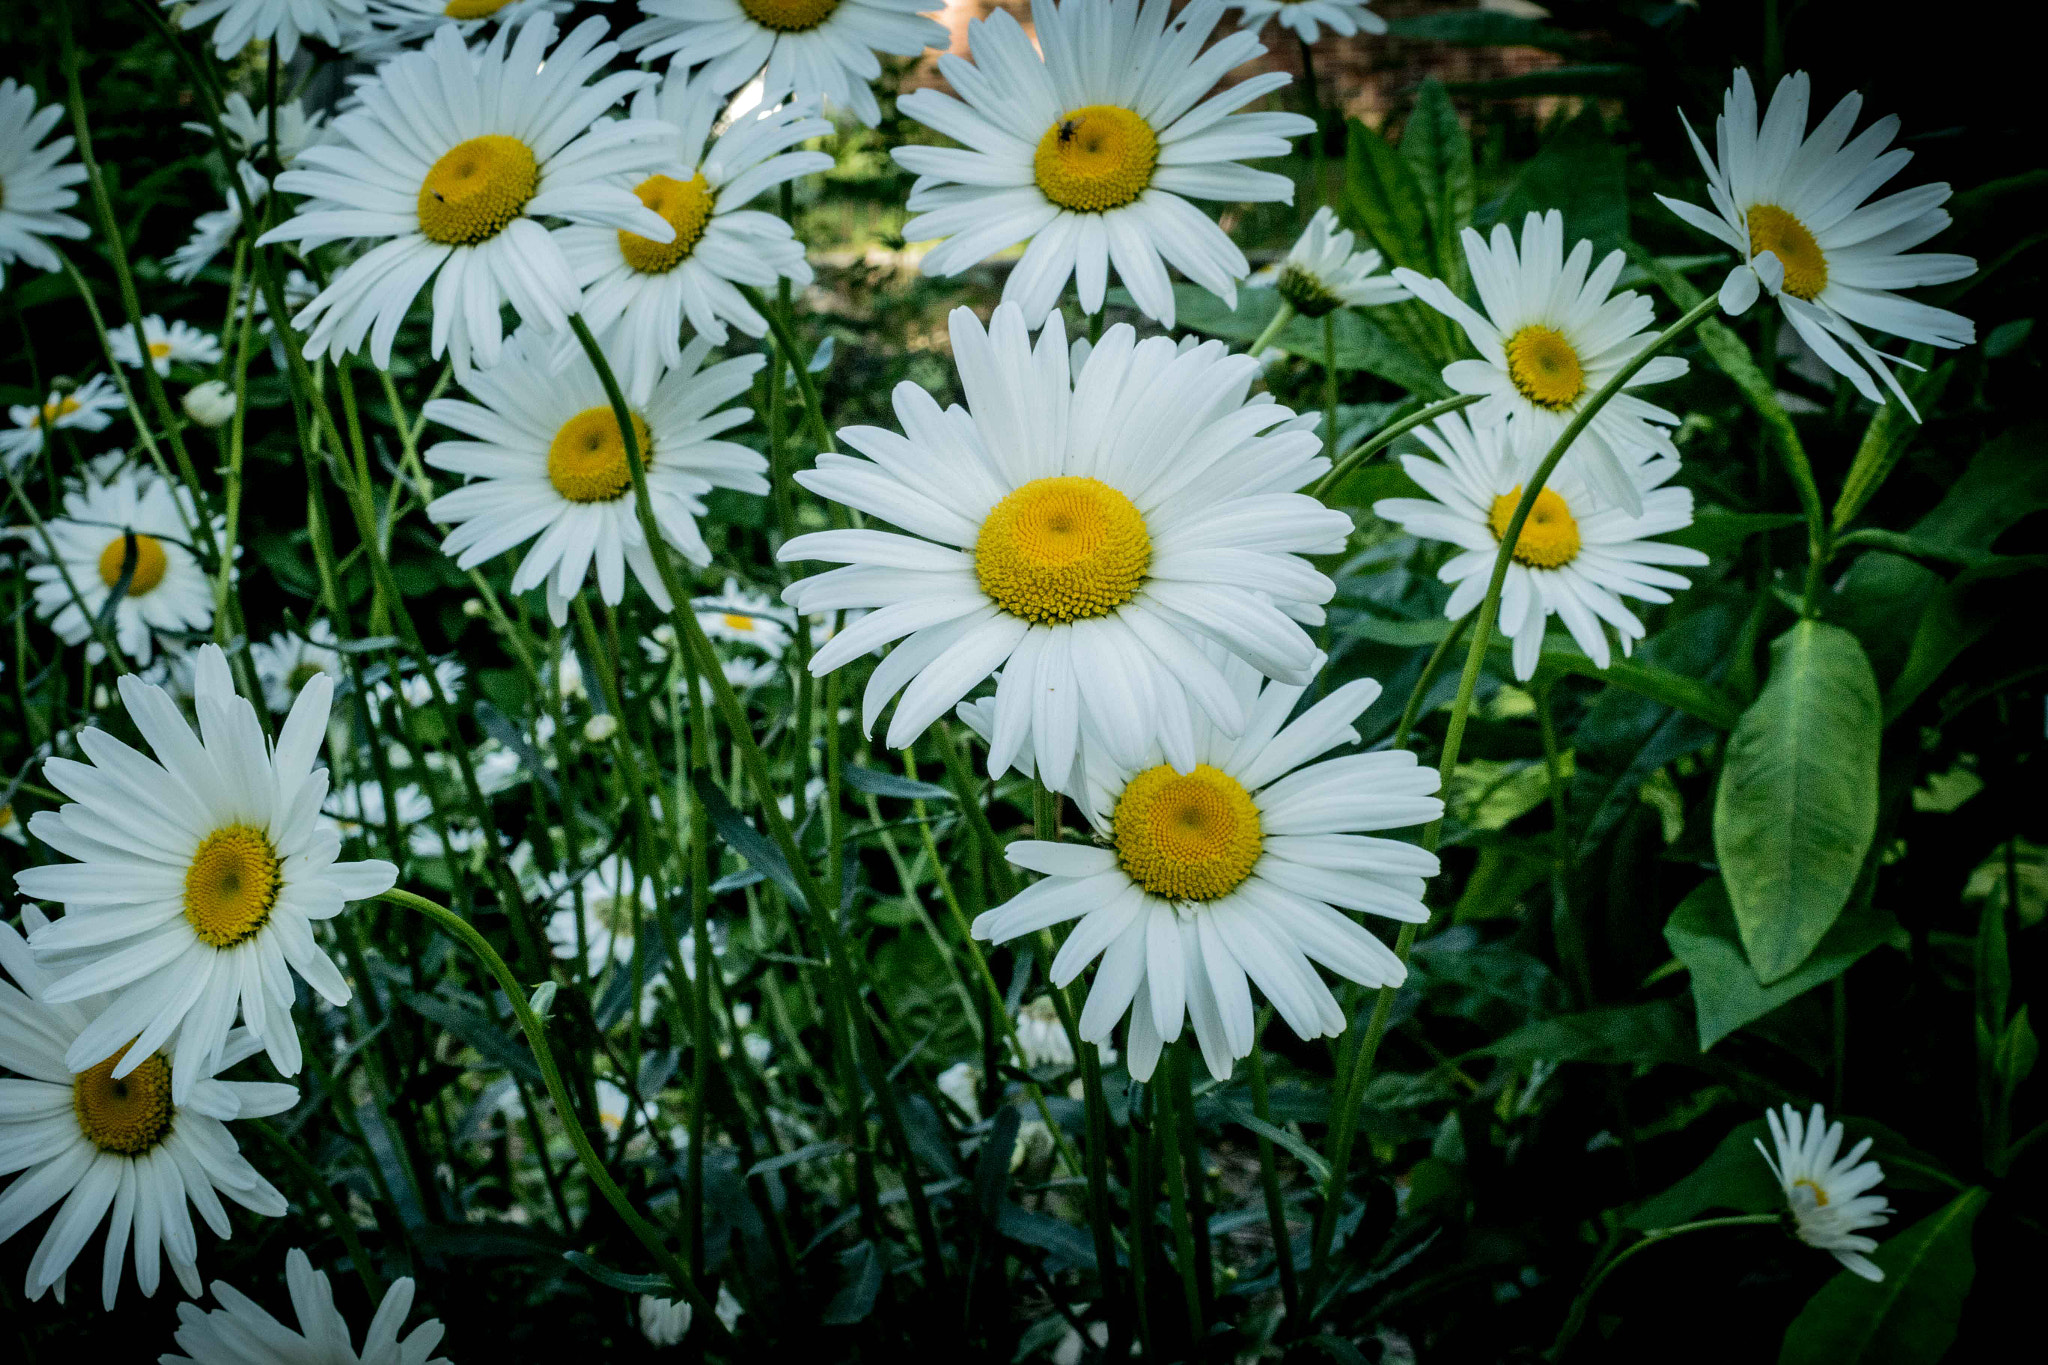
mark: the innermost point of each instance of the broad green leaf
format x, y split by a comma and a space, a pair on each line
1435, 147
1362, 343
1700, 700
1718, 532
1734, 1177
1382, 196
877, 783
1907, 1318
1579, 172
1956, 617
1652, 1031
863, 1269
1070, 1248
1504, 874
1796, 806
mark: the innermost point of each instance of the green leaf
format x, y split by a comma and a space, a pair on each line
1362, 343
1580, 172
1796, 807
619, 1280
1435, 147
1652, 1031
1734, 1177
747, 841
1957, 616
1907, 1318
810, 1151
1701, 700
863, 1269
1070, 1248
877, 783
1383, 197
1718, 533
473, 1027
1302, 1152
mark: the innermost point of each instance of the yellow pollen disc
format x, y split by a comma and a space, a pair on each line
60, 407
1062, 549
1096, 159
1820, 1196
159, 349
476, 188
1778, 232
686, 206
733, 622
1544, 368
150, 563
231, 885
473, 9
1186, 836
789, 16
126, 1116
1550, 537
587, 459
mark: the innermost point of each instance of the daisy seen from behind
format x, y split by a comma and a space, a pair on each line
1577, 555
35, 180
176, 342
283, 22
123, 1150
1792, 204
240, 1332
1323, 273
1307, 19
198, 878
1828, 1193
1083, 535
135, 530
1092, 151
89, 407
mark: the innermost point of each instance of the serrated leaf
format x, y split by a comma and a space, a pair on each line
1907, 1318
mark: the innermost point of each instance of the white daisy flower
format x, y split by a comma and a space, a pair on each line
595, 912
743, 617
1238, 866
1322, 273
1093, 150
212, 231
249, 125
120, 1148
393, 25
167, 588
177, 342
198, 880
1079, 534
239, 1332
823, 49
452, 157
287, 662
356, 811
613, 1104
549, 460
1308, 18
1039, 1035
10, 826
415, 689
647, 288
664, 1321
1828, 1193
34, 186
89, 407
1577, 555
1792, 205
1550, 338
282, 22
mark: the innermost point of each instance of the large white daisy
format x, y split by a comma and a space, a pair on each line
1240, 867
1577, 556
1081, 534
283, 22
89, 407
1550, 338
453, 157
1828, 1193
549, 460
167, 589
1307, 19
198, 881
119, 1148
176, 342
813, 49
1093, 150
1792, 205
239, 1332
35, 181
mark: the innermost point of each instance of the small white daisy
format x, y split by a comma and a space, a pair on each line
35, 181
1322, 273
119, 1148
1039, 1035
813, 49
356, 811
1577, 556
89, 407
595, 913
167, 589
249, 125
452, 157
199, 878
239, 1332
1828, 1193
287, 662
283, 22
414, 688
1308, 18
1550, 338
1232, 872
178, 342
1093, 150
1080, 534
749, 618
1792, 205
549, 461
664, 1321
393, 25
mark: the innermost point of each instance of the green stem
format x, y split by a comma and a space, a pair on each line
1269, 1182
1577, 1317
1283, 316
1166, 1105
323, 1194
1330, 387
1426, 680
1386, 436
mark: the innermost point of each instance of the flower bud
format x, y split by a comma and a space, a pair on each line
209, 404
598, 729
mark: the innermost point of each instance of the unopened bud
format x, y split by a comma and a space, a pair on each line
598, 729
209, 404
472, 607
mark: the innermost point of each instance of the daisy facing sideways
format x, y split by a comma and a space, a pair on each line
134, 528
1204, 882
120, 1149
239, 1332
89, 407
198, 879
1577, 556
176, 342
1307, 19
283, 22
1322, 273
1792, 205
1829, 1194
35, 181
549, 461
287, 662
1083, 535
1092, 151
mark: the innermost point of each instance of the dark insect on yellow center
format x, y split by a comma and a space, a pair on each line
1096, 159
1061, 549
1186, 836
476, 189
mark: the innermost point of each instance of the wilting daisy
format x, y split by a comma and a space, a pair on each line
809, 48
198, 880
176, 342
239, 1332
392, 25
1828, 1192
1080, 535
1792, 205
1308, 18
1233, 871
1322, 273
1093, 151
34, 186
282, 22
453, 156
1577, 555
550, 461
1550, 338
121, 1145
646, 287
749, 618
287, 662
89, 407
166, 590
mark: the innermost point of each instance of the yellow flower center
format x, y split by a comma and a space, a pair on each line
1062, 549
1186, 836
473, 9
1544, 368
686, 206
736, 622
126, 1116
1096, 159
150, 563
476, 188
1550, 536
1820, 1196
231, 885
159, 349
587, 458
59, 407
789, 16
1778, 232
